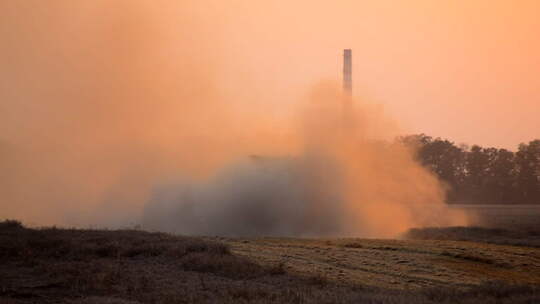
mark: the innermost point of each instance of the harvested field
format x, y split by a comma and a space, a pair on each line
397, 264
127, 267
505, 248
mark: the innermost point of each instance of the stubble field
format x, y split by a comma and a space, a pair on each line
496, 263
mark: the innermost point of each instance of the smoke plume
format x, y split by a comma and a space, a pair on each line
126, 112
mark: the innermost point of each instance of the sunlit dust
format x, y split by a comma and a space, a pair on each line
114, 114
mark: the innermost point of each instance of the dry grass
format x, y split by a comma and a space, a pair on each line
397, 264
127, 267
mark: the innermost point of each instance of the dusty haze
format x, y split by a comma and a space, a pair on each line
162, 113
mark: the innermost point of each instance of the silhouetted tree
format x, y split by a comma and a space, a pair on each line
442, 157
481, 175
528, 171
476, 173
500, 183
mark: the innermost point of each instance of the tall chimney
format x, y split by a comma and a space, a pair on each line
347, 72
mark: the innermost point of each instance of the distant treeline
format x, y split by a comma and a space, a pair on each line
482, 175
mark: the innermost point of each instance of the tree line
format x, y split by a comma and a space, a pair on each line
482, 175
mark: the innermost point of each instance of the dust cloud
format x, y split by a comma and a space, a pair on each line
130, 112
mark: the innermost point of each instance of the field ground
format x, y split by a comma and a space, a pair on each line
397, 264
505, 246
498, 263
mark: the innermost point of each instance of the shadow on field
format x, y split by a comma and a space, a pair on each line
52, 265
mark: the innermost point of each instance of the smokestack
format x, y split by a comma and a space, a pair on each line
347, 72
347, 91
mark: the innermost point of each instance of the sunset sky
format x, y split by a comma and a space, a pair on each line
463, 70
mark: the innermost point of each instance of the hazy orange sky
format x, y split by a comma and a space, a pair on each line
463, 70
101, 100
